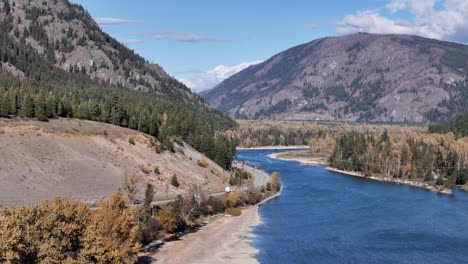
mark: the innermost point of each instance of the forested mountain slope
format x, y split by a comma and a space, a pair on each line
57, 43
67, 36
359, 77
40, 81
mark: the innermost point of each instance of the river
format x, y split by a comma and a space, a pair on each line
326, 217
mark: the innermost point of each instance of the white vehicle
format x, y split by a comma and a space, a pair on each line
229, 189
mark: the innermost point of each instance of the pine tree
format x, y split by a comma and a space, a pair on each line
40, 111
4, 109
13, 97
149, 196
28, 107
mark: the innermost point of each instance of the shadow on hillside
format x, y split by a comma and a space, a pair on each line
145, 260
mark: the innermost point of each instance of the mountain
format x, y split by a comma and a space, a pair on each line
358, 77
66, 35
56, 62
58, 41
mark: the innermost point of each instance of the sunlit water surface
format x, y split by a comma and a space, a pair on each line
325, 217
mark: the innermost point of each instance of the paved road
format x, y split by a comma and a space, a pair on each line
260, 176
260, 179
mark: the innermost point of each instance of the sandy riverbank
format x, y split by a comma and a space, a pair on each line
274, 147
419, 184
301, 157
224, 240
305, 158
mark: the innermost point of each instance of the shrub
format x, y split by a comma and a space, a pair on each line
129, 184
45, 233
111, 236
202, 163
252, 196
178, 141
212, 206
440, 180
144, 169
167, 220
275, 182
152, 142
233, 198
158, 148
174, 181
131, 141
65, 231
234, 211
156, 170
148, 227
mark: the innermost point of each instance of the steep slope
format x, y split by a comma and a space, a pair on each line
84, 160
359, 77
66, 34
55, 41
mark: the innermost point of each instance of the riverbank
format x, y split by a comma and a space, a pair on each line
418, 184
302, 157
274, 147
305, 158
226, 239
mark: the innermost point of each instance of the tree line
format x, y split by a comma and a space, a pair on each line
458, 126
43, 91
438, 159
148, 114
391, 151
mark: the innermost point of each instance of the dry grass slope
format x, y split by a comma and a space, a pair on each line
84, 160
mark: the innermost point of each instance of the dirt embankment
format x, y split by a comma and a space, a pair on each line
304, 157
84, 160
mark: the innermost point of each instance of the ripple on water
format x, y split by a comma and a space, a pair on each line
325, 217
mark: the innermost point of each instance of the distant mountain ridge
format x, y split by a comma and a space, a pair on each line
358, 77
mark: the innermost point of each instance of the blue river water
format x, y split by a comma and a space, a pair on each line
326, 217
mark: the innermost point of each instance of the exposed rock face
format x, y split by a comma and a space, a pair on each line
66, 35
359, 77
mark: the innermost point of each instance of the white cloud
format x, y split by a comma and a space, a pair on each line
184, 37
202, 80
104, 21
449, 22
396, 5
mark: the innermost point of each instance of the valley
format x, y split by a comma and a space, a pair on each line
245, 154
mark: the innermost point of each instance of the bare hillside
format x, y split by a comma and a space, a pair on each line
359, 77
84, 160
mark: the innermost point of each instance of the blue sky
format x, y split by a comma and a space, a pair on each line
203, 42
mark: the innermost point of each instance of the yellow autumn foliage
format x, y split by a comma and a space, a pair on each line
66, 231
